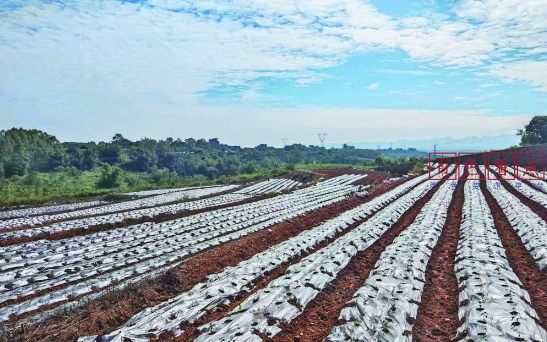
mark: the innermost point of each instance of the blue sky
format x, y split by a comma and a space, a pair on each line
259, 71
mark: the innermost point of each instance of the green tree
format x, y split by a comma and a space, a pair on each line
17, 165
111, 177
535, 132
295, 156
379, 160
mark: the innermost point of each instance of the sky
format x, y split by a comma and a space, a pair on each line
260, 71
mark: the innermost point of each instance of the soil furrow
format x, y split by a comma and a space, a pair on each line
321, 315
46, 223
21, 298
112, 310
520, 260
437, 318
190, 329
537, 208
65, 234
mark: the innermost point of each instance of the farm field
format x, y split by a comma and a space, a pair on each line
371, 176
413, 260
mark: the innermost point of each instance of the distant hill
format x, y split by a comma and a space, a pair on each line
449, 144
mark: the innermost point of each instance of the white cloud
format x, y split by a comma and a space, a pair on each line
438, 82
534, 72
119, 58
373, 86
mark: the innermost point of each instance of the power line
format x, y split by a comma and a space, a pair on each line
482, 138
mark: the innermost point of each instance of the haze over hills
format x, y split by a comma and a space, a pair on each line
447, 144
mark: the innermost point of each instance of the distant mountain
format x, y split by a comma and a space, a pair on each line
446, 144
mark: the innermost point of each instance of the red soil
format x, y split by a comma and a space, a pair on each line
321, 315
372, 176
112, 310
533, 279
190, 330
147, 219
537, 208
125, 223
437, 318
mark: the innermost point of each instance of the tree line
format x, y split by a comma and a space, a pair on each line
24, 151
35, 167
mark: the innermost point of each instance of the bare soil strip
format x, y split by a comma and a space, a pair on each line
533, 279
20, 299
537, 208
112, 310
46, 223
190, 330
372, 176
56, 212
38, 293
65, 234
318, 318
437, 318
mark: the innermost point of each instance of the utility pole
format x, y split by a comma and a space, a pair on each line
322, 137
434, 152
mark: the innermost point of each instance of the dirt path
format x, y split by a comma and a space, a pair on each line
537, 208
533, 279
190, 329
372, 176
321, 315
112, 310
65, 234
437, 318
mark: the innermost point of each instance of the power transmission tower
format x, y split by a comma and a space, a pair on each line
322, 137
434, 152
284, 142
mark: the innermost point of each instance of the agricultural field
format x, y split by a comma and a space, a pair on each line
410, 259
271, 185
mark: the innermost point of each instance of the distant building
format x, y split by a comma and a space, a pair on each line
262, 147
214, 141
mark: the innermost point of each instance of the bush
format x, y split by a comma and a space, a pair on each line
417, 168
111, 177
